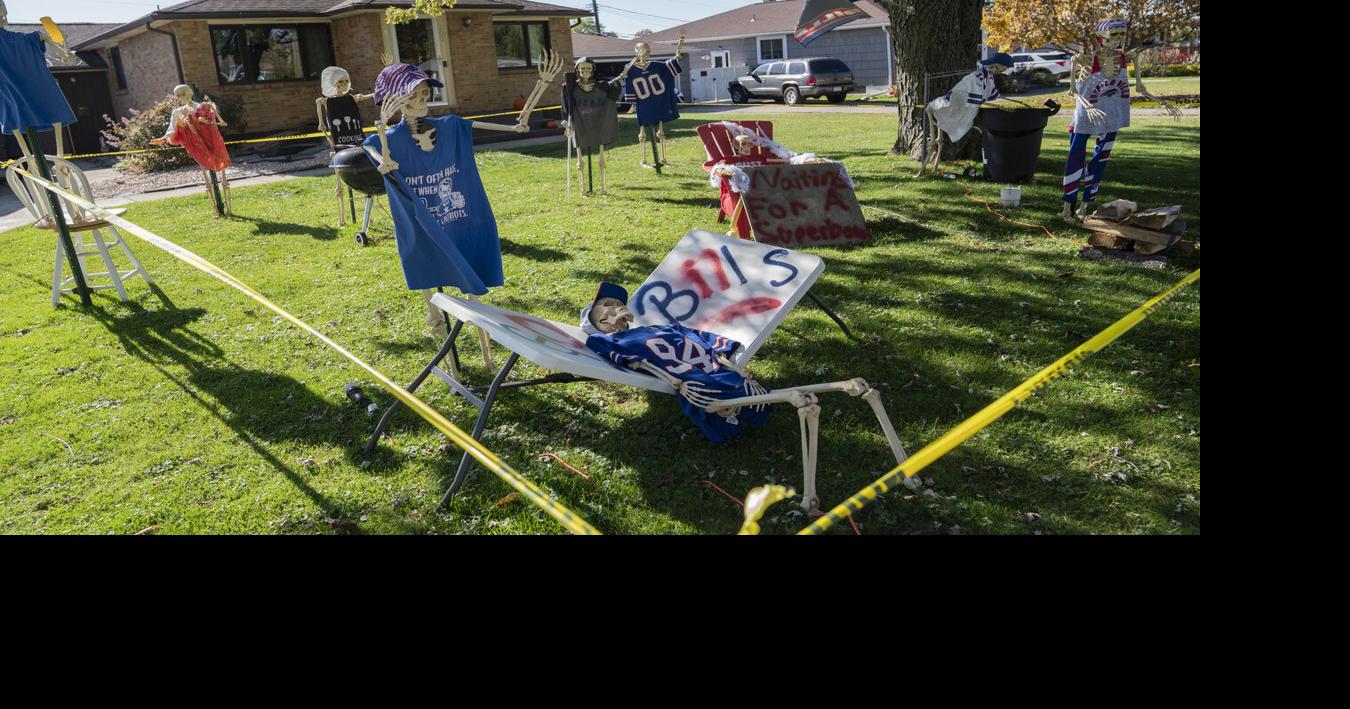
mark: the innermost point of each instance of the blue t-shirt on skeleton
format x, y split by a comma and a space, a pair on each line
443, 223
691, 356
655, 91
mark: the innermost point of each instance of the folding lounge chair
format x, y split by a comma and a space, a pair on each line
739, 289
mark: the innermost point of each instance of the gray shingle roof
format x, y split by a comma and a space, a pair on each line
597, 47
761, 18
314, 8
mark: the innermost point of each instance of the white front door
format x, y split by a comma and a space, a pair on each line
422, 43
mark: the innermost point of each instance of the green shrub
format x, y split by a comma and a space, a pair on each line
135, 132
1173, 70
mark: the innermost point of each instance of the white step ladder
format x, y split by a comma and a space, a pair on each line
80, 222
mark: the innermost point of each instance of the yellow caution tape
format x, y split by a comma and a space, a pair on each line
758, 502
993, 412
487, 458
282, 139
52, 30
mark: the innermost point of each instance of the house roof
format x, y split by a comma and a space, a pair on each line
761, 18
243, 9
598, 47
75, 32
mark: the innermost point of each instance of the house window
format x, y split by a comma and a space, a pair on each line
772, 48
720, 59
116, 55
520, 44
255, 53
417, 44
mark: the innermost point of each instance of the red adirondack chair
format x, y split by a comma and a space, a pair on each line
717, 142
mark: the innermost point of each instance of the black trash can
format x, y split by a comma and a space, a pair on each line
1012, 141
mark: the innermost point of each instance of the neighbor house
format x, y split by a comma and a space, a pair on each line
726, 45
267, 55
611, 54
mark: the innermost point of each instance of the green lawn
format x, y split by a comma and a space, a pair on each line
196, 410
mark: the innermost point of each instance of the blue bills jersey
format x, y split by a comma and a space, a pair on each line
689, 355
654, 91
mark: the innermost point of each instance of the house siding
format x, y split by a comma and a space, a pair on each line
866, 52
151, 74
358, 44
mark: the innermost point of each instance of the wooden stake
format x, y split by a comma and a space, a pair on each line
59, 217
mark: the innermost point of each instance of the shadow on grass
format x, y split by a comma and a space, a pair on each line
260, 407
263, 227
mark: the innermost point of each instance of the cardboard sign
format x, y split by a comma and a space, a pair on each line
803, 205
736, 288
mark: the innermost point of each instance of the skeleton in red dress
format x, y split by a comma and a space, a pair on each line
196, 128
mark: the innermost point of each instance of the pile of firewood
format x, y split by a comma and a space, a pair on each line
1118, 225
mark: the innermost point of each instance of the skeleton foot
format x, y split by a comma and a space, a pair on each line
1068, 215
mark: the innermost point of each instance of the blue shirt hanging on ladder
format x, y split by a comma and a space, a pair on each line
29, 96
443, 223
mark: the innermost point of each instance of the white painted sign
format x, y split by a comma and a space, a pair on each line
736, 288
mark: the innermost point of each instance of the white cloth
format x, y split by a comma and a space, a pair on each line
955, 113
328, 80
1111, 95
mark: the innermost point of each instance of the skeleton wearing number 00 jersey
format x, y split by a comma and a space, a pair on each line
654, 88
694, 362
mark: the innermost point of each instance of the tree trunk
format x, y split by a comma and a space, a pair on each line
934, 37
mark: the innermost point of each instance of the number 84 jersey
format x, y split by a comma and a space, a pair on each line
655, 91
689, 355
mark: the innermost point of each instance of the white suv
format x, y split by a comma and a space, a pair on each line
1045, 68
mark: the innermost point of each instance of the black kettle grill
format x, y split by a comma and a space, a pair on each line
359, 172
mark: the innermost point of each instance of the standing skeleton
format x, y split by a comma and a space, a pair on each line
184, 118
642, 58
590, 97
1101, 89
336, 83
413, 106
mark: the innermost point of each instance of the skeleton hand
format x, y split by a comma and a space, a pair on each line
1095, 115
548, 71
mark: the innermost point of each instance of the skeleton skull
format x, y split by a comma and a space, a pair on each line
643, 52
1112, 39
743, 145
4, 14
585, 71
610, 315
416, 105
183, 93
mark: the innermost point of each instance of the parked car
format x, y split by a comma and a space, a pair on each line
1035, 68
795, 80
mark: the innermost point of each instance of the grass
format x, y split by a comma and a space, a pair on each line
195, 410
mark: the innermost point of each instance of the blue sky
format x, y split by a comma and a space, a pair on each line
622, 16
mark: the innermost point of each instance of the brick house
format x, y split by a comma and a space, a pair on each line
268, 54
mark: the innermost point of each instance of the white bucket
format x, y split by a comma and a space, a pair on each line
1011, 197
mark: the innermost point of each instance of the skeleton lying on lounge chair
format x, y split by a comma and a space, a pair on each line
742, 289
